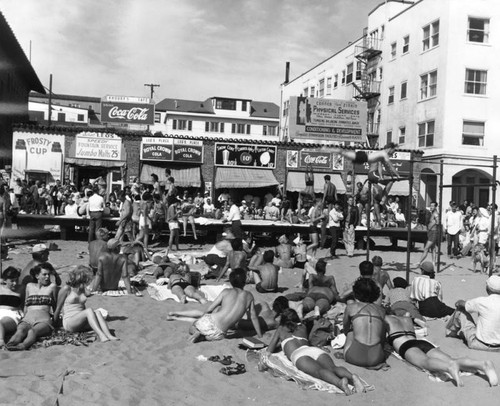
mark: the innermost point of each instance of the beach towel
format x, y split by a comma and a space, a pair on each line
280, 366
63, 337
121, 291
162, 292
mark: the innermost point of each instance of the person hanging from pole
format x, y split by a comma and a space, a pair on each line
307, 196
432, 222
377, 160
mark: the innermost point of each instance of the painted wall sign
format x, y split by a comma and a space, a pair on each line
245, 155
171, 149
127, 113
399, 160
37, 152
315, 159
92, 145
327, 119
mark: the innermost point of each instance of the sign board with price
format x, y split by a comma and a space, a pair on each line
171, 149
245, 155
94, 145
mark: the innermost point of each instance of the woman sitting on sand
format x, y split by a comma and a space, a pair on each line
39, 303
423, 354
76, 317
10, 303
364, 326
312, 360
179, 283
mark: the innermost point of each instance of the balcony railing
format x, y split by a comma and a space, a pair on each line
366, 89
370, 48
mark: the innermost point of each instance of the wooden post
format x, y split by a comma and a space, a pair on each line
492, 227
440, 211
408, 219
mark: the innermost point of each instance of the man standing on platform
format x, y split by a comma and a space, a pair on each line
329, 193
235, 218
95, 208
335, 218
453, 225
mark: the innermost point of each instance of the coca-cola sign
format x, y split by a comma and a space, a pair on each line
127, 113
316, 159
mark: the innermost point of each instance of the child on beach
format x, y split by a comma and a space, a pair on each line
224, 312
266, 275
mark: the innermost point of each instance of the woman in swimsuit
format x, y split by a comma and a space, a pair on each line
10, 303
145, 205
364, 326
76, 317
423, 354
39, 303
179, 283
312, 360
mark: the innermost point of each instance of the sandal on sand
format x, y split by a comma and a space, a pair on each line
226, 360
237, 370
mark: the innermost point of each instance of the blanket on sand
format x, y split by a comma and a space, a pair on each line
162, 292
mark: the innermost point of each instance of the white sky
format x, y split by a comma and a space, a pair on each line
194, 49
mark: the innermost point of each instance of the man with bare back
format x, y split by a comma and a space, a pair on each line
111, 267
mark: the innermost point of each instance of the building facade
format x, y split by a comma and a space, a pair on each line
17, 78
429, 72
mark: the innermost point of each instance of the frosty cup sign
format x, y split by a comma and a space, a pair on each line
129, 113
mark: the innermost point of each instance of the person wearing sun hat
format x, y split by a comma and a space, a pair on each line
428, 292
39, 254
485, 333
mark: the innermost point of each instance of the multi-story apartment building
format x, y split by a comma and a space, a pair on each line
429, 73
218, 117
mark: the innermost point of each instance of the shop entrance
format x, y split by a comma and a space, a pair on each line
84, 174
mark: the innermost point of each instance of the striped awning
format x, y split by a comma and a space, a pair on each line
185, 177
241, 178
295, 182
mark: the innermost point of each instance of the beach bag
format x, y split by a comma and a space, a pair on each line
321, 333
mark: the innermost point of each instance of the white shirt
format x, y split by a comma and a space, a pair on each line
234, 213
453, 222
400, 217
208, 208
334, 218
488, 321
71, 210
96, 203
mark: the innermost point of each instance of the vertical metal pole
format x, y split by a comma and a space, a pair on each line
492, 227
50, 100
440, 211
408, 219
368, 211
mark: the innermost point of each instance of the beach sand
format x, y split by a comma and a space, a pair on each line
153, 364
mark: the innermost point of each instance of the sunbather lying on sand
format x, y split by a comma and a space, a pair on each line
225, 311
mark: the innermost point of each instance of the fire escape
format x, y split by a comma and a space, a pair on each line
366, 87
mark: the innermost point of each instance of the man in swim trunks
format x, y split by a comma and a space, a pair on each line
329, 193
97, 247
232, 304
266, 275
111, 267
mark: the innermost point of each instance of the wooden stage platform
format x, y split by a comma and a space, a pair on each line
210, 227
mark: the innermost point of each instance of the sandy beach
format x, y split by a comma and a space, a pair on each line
153, 364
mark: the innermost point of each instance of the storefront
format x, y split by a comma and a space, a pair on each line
245, 169
321, 163
37, 156
183, 157
96, 156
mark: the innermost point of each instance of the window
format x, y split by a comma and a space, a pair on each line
475, 81
406, 44
473, 133
286, 105
214, 127
243, 105
336, 81
182, 125
358, 70
404, 86
61, 116
380, 73
426, 134
391, 95
321, 88
430, 36
428, 85
329, 86
389, 137
269, 130
393, 50
350, 68
343, 76
240, 128
225, 104
402, 135
81, 117
312, 91
478, 30
305, 92
157, 117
